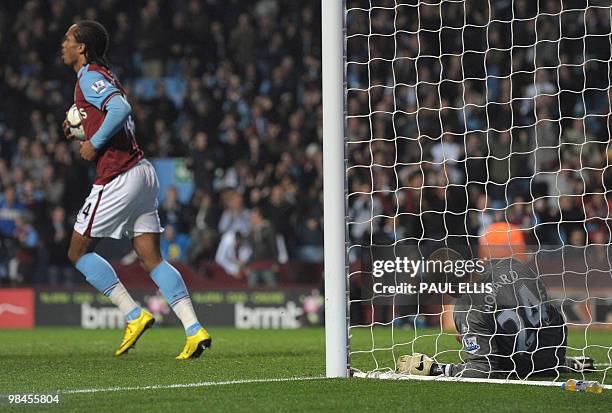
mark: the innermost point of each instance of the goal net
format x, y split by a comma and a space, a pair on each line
484, 126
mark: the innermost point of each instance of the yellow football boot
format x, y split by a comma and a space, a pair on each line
133, 331
195, 345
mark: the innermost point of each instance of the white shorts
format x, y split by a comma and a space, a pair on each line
124, 207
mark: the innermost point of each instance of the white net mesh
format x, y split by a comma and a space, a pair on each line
466, 114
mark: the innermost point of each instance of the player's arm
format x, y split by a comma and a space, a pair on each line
478, 338
98, 91
478, 342
481, 360
117, 112
478, 365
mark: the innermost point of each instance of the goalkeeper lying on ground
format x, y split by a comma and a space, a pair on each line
516, 331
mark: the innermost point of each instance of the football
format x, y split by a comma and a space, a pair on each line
74, 118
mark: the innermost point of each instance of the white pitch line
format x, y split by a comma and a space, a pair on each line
396, 376
287, 379
184, 385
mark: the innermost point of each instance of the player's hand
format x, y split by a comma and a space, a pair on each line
417, 364
67, 133
88, 152
580, 363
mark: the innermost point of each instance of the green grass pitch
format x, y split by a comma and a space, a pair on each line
45, 360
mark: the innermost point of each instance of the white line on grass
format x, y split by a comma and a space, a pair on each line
185, 385
396, 376
379, 375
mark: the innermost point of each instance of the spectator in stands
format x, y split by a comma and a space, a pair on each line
572, 215
172, 211
233, 253
310, 240
52, 187
202, 249
204, 237
174, 245
163, 105
235, 217
546, 232
278, 211
151, 40
23, 267
203, 161
10, 210
5, 257
60, 270
263, 261
202, 212
577, 238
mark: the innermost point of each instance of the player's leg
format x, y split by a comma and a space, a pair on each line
103, 216
144, 230
99, 273
174, 290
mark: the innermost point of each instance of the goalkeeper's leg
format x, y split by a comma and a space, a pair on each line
172, 287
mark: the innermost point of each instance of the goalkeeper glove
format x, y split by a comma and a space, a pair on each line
419, 365
579, 364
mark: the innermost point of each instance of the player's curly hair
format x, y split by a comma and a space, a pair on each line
96, 40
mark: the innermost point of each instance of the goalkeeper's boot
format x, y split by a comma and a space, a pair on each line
133, 330
195, 345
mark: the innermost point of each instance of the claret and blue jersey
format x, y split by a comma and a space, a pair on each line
95, 87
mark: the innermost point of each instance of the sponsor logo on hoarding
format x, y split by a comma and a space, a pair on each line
287, 317
282, 308
17, 308
13, 309
101, 317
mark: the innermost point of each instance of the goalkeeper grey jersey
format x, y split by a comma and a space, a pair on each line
514, 329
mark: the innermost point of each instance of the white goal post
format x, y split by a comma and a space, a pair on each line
444, 121
336, 323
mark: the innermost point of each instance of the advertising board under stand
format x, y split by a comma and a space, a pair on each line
277, 309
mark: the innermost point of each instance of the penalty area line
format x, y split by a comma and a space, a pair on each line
184, 385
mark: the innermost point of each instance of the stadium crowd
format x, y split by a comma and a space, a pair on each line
479, 112
453, 123
464, 115
233, 87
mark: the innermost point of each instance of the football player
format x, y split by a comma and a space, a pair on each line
512, 331
123, 200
